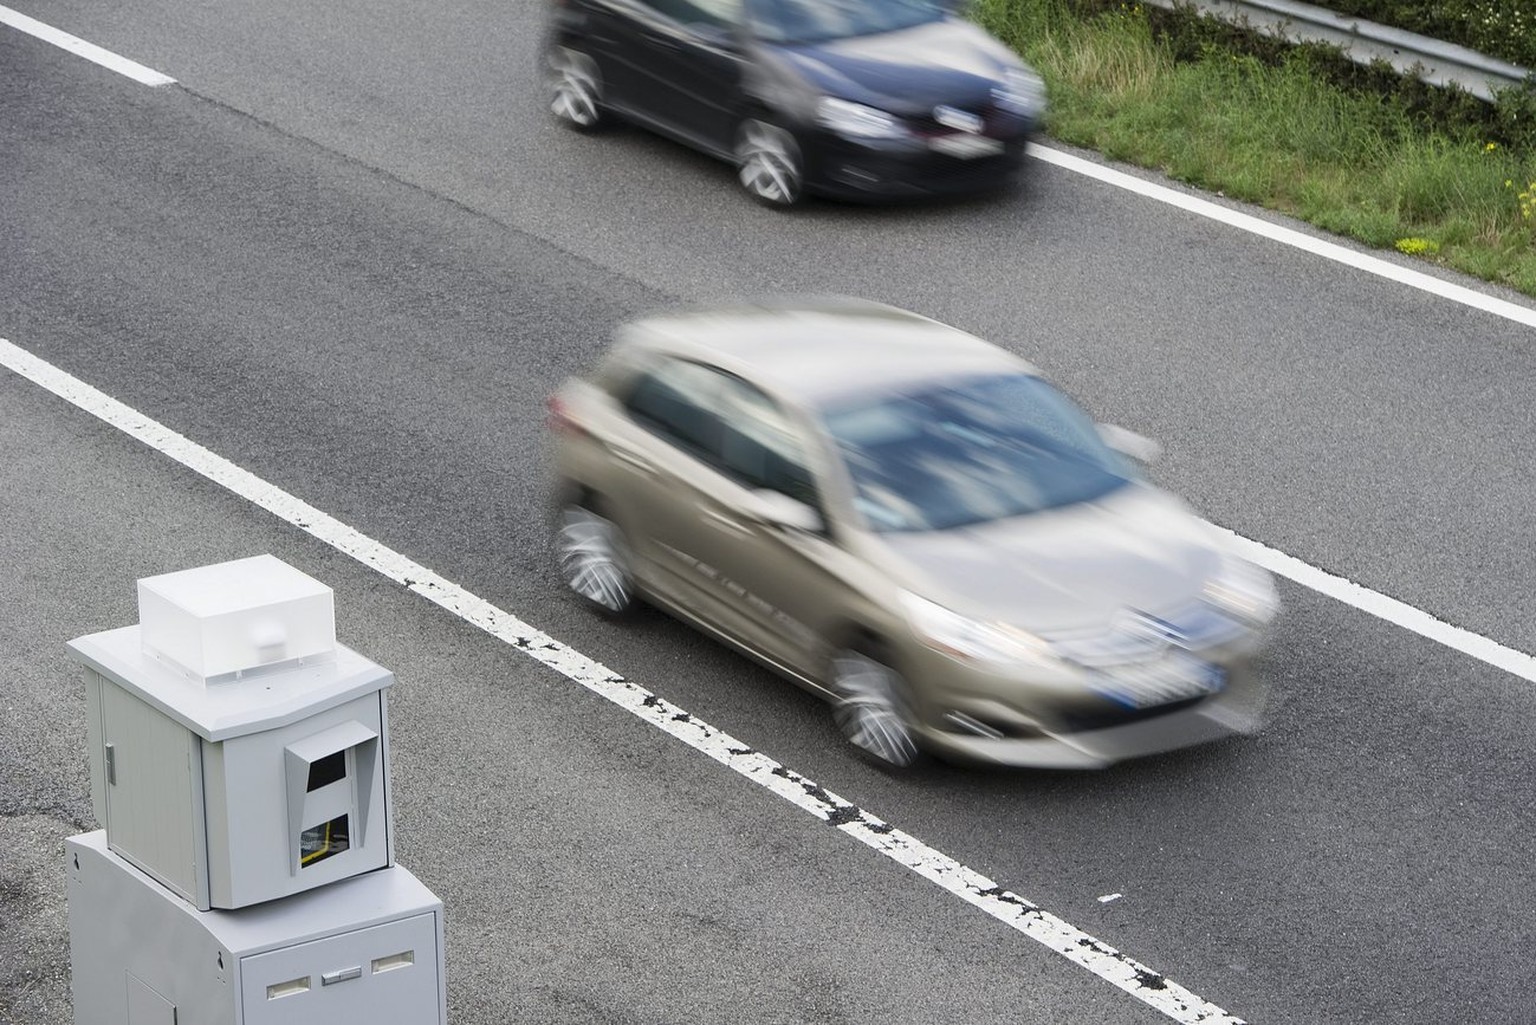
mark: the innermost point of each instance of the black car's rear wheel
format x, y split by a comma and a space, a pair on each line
871, 710
769, 164
575, 88
594, 560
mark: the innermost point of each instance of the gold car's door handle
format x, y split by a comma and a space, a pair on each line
725, 523
633, 460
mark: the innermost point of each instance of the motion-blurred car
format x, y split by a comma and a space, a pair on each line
910, 522
852, 98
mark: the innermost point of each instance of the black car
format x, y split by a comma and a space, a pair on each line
849, 98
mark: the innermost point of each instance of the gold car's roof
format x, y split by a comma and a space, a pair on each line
811, 350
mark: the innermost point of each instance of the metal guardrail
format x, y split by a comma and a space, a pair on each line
1431, 60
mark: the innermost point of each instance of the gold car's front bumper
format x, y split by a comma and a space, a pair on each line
1055, 739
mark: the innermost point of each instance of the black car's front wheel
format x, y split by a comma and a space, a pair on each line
871, 711
575, 88
768, 163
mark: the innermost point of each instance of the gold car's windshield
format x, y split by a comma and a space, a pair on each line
971, 451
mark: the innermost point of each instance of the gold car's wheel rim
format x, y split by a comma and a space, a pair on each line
769, 163
593, 559
574, 88
869, 711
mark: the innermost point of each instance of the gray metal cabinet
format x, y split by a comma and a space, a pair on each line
367, 975
153, 794
240, 766
237, 792
366, 949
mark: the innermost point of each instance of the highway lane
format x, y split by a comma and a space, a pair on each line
1261, 368
187, 259
594, 870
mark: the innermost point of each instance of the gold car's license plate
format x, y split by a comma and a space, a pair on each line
1174, 678
966, 147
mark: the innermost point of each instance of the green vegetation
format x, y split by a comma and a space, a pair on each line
1359, 152
1505, 29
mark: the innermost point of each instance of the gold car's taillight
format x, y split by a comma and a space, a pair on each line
559, 418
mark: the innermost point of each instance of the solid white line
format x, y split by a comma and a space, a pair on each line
1003, 905
78, 46
1289, 236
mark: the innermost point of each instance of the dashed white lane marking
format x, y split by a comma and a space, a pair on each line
970, 886
1377, 604
1289, 236
79, 47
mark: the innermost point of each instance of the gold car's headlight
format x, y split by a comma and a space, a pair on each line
1244, 592
970, 640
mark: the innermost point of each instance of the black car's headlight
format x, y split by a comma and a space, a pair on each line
1020, 92
856, 121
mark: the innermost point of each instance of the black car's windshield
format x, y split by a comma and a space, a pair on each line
818, 21
971, 451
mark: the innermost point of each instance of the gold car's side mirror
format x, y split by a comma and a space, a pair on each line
778, 509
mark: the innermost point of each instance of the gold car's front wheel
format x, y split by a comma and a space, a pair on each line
594, 560
870, 709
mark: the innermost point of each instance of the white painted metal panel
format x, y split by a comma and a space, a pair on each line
204, 962
253, 833
263, 700
236, 616
146, 1007
385, 975
94, 682
154, 794
202, 799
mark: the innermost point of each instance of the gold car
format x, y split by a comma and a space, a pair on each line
910, 522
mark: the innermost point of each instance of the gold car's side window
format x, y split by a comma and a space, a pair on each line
759, 447
675, 399
725, 422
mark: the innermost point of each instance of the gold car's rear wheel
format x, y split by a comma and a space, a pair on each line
871, 711
594, 560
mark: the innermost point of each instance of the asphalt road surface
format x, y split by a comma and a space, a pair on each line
351, 254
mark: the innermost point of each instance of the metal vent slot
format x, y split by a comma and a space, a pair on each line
292, 987
404, 959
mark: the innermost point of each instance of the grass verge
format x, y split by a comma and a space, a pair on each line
1275, 128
